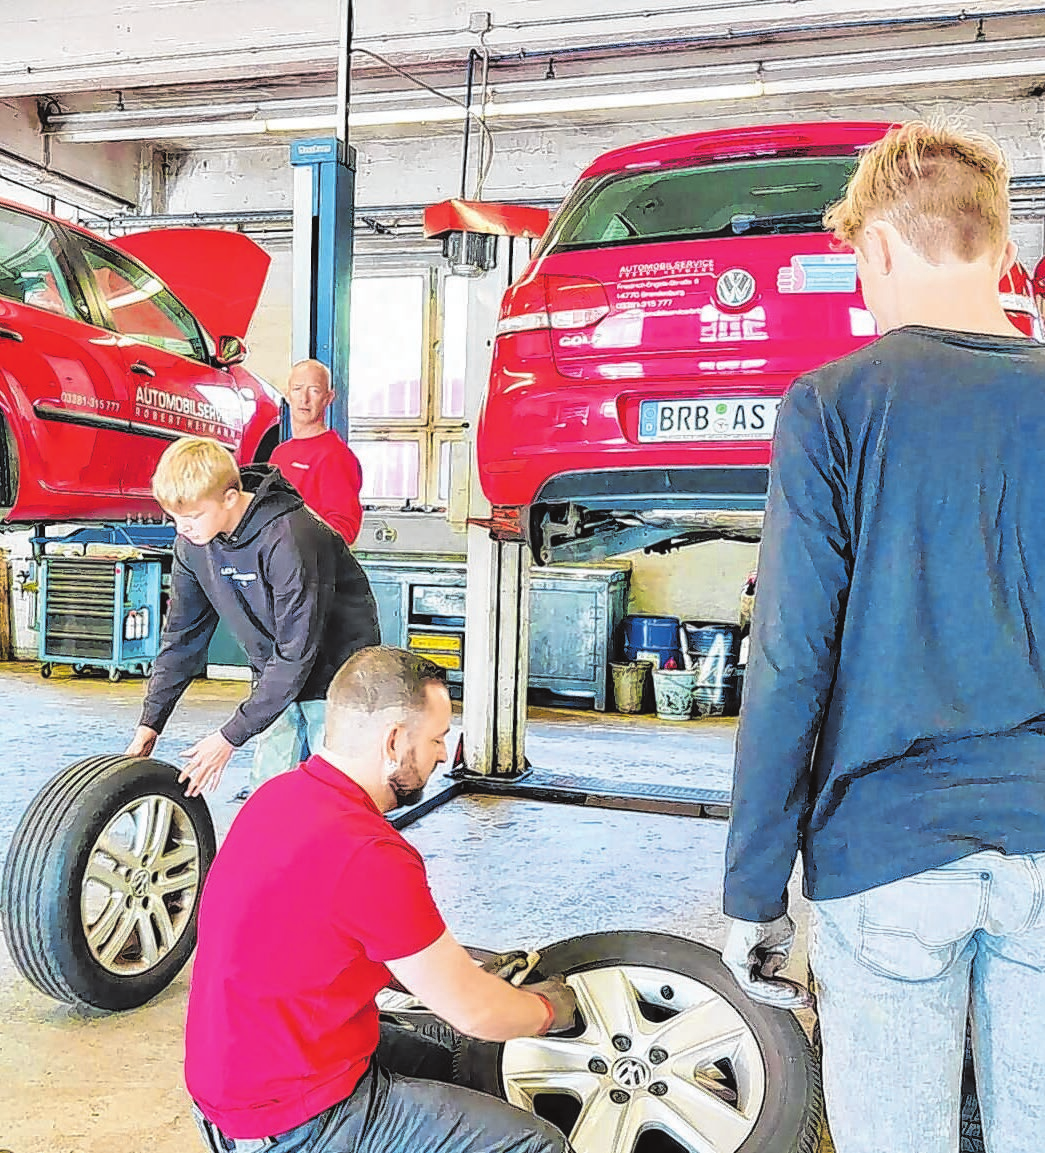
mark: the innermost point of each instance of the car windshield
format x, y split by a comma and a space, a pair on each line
744, 198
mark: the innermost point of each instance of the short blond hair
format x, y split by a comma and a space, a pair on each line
192, 469
946, 191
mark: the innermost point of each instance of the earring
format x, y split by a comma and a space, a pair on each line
390, 766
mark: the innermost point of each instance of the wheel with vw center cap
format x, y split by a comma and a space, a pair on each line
101, 884
667, 1055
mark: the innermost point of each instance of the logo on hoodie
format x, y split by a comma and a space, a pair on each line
240, 578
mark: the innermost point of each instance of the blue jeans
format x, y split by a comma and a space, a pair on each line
406, 1103
898, 970
291, 738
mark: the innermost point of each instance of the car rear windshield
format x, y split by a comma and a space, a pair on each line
741, 198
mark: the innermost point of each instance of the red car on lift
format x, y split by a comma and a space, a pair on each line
111, 350
640, 359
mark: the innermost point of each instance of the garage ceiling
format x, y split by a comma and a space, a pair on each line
160, 83
126, 78
120, 44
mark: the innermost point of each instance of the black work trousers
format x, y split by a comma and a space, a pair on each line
406, 1102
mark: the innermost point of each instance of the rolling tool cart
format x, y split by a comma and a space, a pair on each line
103, 610
99, 612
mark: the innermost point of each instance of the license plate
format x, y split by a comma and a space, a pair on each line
717, 418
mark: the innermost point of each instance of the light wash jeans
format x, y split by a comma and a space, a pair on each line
898, 969
293, 735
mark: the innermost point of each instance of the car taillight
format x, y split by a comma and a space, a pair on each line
559, 302
524, 308
574, 302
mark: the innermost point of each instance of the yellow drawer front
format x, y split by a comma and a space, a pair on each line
434, 642
444, 660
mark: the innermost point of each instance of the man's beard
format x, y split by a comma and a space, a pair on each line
406, 783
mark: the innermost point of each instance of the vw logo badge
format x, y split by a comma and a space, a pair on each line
630, 1073
735, 287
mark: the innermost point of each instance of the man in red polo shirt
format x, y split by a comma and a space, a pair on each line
316, 461
313, 902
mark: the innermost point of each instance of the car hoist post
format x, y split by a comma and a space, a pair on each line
324, 203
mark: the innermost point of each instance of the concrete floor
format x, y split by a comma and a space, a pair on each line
505, 873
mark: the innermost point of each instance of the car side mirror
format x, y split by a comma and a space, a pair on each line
231, 350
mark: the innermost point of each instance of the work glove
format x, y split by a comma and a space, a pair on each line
506, 965
755, 953
562, 1000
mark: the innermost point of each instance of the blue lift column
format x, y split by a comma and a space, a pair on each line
324, 205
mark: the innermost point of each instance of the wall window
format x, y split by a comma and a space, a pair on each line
406, 384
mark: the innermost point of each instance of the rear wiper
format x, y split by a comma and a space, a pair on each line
746, 221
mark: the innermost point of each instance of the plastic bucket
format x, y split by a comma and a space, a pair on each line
629, 685
673, 691
651, 638
649, 632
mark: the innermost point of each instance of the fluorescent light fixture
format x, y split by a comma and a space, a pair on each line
606, 102
562, 106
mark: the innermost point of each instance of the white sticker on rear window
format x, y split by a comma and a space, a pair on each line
661, 268
819, 272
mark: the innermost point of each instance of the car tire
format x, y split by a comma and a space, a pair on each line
790, 1115
100, 888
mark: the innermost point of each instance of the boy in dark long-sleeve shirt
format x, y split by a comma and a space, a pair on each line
894, 713
250, 553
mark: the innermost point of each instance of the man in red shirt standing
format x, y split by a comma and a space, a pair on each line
312, 904
316, 461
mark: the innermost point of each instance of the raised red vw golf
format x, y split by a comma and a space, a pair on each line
641, 357
111, 350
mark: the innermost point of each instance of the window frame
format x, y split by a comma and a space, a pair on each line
77, 244
581, 198
83, 312
430, 429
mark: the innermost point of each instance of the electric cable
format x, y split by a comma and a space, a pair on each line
480, 120
487, 151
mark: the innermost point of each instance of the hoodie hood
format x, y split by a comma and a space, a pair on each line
273, 497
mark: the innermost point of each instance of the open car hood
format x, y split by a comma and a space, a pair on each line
218, 275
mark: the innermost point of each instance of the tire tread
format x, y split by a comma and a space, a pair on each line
23, 899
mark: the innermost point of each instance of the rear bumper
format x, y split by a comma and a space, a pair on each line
739, 488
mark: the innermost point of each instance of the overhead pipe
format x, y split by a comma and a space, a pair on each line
473, 55
959, 17
344, 72
53, 174
731, 36
956, 18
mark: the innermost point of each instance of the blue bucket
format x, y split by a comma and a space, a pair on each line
651, 637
